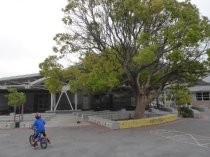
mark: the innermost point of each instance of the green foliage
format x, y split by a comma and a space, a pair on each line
96, 73
183, 97
52, 70
146, 55
53, 85
157, 41
16, 98
181, 94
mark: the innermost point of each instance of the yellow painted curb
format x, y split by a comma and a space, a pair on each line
147, 121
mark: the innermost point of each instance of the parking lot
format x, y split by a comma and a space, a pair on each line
182, 138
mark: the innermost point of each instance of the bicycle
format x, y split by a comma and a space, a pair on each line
41, 140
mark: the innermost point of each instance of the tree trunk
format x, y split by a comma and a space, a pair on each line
141, 104
14, 113
157, 103
22, 111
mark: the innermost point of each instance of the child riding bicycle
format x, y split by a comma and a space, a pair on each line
39, 126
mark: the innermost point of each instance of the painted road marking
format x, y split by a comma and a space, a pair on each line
201, 141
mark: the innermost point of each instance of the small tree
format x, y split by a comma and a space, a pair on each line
181, 96
16, 99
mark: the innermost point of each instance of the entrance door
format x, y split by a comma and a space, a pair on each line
42, 102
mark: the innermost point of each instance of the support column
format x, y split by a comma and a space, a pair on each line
53, 99
55, 108
56, 105
69, 101
76, 100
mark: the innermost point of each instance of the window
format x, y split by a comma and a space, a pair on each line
206, 96
202, 96
198, 96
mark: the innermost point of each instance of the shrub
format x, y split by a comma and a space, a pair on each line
185, 112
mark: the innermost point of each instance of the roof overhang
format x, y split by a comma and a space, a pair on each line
31, 81
200, 88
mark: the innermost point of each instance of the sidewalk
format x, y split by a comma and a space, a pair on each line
205, 115
66, 120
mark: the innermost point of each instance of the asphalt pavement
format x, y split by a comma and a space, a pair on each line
182, 138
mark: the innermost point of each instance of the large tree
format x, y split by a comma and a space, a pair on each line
156, 43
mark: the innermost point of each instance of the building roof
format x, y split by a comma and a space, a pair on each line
202, 85
23, 81
206, 79
200, 88
20, 77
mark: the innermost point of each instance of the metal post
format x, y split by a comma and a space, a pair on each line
58, 101
76, 100
69, 101
51, 101
53, 97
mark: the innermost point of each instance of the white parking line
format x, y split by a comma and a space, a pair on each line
195, 140
200, 141
205, 144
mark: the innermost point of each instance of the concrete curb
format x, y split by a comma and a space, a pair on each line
7, 125
132, 123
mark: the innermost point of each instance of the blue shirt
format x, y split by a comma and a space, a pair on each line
39, 125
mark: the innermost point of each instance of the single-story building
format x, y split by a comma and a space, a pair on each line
201, 93
38, 98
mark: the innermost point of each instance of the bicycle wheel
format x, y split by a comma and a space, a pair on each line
43, 143
31, 140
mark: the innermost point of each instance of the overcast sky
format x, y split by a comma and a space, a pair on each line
27, 29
